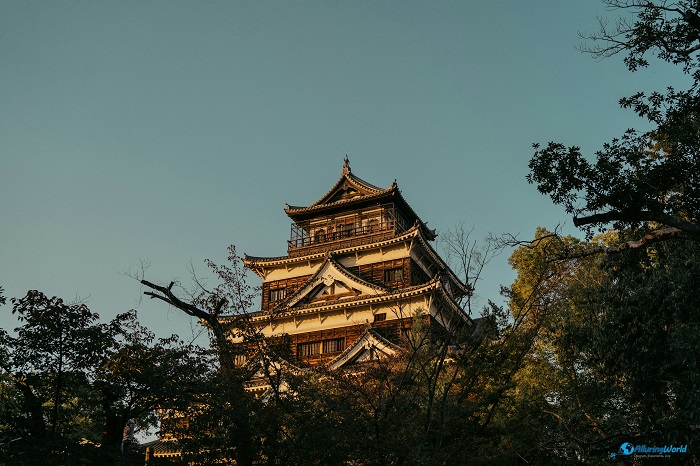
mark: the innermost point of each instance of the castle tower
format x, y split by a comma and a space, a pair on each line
359, 270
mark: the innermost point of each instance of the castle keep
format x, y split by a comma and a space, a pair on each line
359, 269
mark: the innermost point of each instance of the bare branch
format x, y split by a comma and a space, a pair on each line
692, 229
650, 238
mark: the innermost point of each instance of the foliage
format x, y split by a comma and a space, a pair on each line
431, 405
140, 374
219, 421
426, 406
614, 360
49, 360
69, 384
643, 181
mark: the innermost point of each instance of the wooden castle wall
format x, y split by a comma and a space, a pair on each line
392, 330
290, 285
398, 274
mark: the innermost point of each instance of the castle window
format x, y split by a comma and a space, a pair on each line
393, 275
380, 317
308, 349
277, 294
335, 345
372, 225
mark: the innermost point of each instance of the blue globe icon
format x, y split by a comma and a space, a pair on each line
626, 448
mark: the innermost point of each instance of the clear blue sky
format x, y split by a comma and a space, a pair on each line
167, 130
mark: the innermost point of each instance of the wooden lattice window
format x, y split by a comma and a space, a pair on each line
277, 294
335, 345
308, 349
393, 275
380, 317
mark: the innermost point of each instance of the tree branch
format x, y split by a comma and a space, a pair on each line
692, 229
656, 236
169, 297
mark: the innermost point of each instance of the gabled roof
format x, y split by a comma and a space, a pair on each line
265, 366
327, 275
351, 192
464, 288
275, 363
369, 346
163, 448
256, 262
348, 186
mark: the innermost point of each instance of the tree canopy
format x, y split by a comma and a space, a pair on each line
592, 349
616, 359
68, 381
644, 181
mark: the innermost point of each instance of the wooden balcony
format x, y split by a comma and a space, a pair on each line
348, 230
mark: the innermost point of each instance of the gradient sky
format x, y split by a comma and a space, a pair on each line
167, 130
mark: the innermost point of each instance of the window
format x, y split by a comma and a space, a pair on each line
313, 348
277, 294
372, 225
240, 360
308, 349
335, 345
380, 317
393, 275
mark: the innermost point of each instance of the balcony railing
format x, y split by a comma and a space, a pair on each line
349, 229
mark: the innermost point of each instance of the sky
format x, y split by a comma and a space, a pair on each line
163, 131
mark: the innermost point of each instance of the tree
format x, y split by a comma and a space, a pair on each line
442, 392
614, 360
139, 374
50, 357
68, 382
629, 333
221, 422
643, 181
570, 414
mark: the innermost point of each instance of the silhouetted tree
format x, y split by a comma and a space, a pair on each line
644, 182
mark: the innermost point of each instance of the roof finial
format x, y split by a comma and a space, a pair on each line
346, 166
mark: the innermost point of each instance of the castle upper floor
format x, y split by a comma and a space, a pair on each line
353, 212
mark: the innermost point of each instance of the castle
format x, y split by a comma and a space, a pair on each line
359, 270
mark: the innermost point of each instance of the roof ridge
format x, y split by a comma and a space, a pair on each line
346, 176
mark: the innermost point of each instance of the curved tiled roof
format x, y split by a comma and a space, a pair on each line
319, 205
251, 261
164, 448
368, 193
355, 181
346, 176
417, 231
434, 285
256, 361
464, 287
